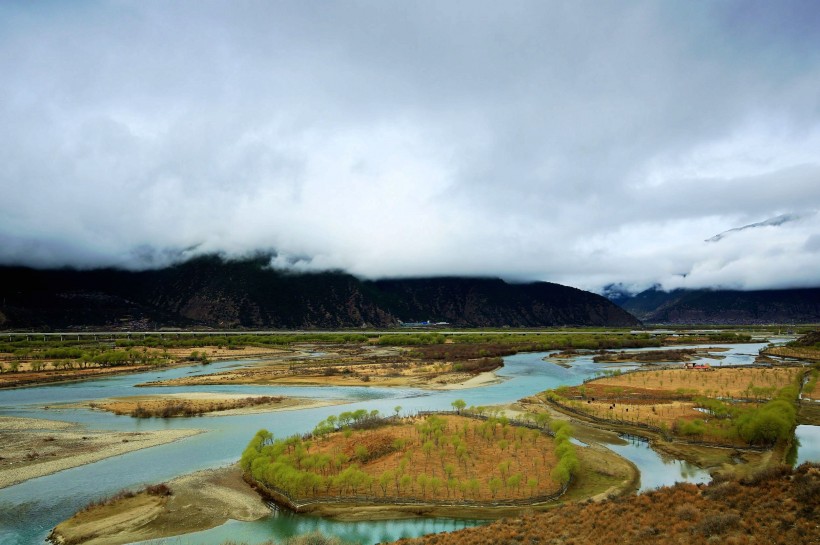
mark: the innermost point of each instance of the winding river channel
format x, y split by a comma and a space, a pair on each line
29, 510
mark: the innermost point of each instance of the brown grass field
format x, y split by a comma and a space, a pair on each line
738, 383
778, 507
666, 398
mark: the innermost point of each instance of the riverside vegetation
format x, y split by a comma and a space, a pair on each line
348, 434
34, 359
169, 408
470, 457
728, 406
778, 506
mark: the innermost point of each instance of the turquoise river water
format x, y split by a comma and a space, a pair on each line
30, 509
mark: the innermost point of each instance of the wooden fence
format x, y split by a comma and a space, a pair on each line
300, 505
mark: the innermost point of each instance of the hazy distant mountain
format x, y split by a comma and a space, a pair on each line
208, 291
771, 222
724, 306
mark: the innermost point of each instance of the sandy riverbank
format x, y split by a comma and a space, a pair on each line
204, 403
34, 448
198, 501
277, 376
476, 381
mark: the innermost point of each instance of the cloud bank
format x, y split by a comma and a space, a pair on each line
584, 143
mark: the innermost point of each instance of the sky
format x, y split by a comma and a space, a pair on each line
588, 143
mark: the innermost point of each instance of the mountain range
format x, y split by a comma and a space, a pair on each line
211, 292
688, 307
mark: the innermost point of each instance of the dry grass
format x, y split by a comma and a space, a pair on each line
668, 399
779, 507
656, 414
758, 383
164, 408
799, 352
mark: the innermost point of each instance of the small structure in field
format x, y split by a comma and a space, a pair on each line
698, 366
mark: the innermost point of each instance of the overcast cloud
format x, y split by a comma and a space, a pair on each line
585, 143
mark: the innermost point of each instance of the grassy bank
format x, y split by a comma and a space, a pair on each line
732, 407
35, 359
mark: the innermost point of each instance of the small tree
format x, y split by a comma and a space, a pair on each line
504, 468
514, 481
459, 405
435, 485
384, 480
422, 481
406, 480
427, 447
532, 484
495, 485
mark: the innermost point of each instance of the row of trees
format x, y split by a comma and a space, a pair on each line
568, 464
238, 341
79, 359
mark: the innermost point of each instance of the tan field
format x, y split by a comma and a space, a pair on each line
655, 414
666, 399
756, 383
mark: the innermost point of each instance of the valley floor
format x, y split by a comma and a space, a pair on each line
35, 447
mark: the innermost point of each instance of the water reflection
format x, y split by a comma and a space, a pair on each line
808, 449
656, 470
284, 525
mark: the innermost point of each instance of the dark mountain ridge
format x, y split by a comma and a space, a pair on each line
210, 292
688, 307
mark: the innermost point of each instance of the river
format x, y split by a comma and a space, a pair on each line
29, 510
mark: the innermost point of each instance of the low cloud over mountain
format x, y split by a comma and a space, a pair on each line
583, 143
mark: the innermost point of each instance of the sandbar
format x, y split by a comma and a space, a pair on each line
204, 404
31, 448
198, 501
